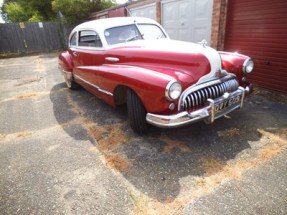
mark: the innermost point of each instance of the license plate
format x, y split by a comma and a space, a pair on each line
229, 102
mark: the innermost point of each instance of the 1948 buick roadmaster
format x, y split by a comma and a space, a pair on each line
164, 82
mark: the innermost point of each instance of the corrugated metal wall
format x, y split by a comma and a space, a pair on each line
259, 29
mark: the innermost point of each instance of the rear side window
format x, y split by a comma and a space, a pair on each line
89, 38
73, 41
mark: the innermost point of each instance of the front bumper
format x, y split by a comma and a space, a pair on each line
208, 113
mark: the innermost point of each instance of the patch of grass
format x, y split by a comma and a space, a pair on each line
271, 95
173, 144
28, 95
200, 182
2, 136
9, 55
141, 204
229, 133
109, 137
278, 140
211, 165
23, 134
117, 162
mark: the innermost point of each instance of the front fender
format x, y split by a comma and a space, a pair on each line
149, 85
233, 63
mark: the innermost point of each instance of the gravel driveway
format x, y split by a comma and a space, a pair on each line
67, 152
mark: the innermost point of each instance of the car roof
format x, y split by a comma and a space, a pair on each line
102, 24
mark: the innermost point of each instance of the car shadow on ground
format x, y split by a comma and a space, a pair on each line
158, 162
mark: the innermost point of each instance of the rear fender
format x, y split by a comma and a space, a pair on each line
65, 62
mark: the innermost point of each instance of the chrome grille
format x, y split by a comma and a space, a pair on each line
198, 98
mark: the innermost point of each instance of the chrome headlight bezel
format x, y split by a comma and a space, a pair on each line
248, 66
173, 90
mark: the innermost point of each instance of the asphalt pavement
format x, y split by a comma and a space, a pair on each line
67, 152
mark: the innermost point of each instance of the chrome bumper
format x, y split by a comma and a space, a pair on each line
208, 113
67, 75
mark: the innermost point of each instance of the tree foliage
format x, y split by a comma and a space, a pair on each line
74, 11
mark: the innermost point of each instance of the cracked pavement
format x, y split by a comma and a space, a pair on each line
67, 152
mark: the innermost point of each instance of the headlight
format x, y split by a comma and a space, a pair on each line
173, 90
248, 66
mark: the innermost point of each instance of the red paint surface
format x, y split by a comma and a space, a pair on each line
145, 71
259, 30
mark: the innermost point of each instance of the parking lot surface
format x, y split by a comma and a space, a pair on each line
67, 152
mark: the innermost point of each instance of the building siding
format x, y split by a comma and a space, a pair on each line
260, 31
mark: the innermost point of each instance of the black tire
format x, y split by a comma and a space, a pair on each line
71, 84
136, 113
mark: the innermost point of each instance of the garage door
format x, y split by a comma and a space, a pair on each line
187, 20
148, 11
260, 31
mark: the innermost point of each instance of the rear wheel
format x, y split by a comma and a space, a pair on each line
136, 113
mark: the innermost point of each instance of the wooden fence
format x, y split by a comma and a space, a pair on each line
27, 37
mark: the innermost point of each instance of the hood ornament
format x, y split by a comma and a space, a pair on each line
203, 43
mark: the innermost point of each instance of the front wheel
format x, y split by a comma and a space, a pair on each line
71, 84
136, 113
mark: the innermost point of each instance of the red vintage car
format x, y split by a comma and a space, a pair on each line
164, 82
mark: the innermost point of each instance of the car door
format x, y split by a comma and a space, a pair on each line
87, 55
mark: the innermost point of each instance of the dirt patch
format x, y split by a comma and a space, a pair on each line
27, 95
229, 133
277, 140
141, 203
173, 144
117, 162
211, 165
271, 95
108, 138
217, 173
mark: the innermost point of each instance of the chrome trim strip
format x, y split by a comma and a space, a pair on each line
208, 113
243, 96
93, 85
212, 112
112, 59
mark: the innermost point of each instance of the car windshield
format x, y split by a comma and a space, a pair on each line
151, 32
123, 34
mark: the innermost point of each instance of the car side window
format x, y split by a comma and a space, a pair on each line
73, 41
89, 38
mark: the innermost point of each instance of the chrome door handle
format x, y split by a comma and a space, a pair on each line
75, 54
112, 59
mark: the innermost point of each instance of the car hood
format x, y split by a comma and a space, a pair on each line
181, 60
